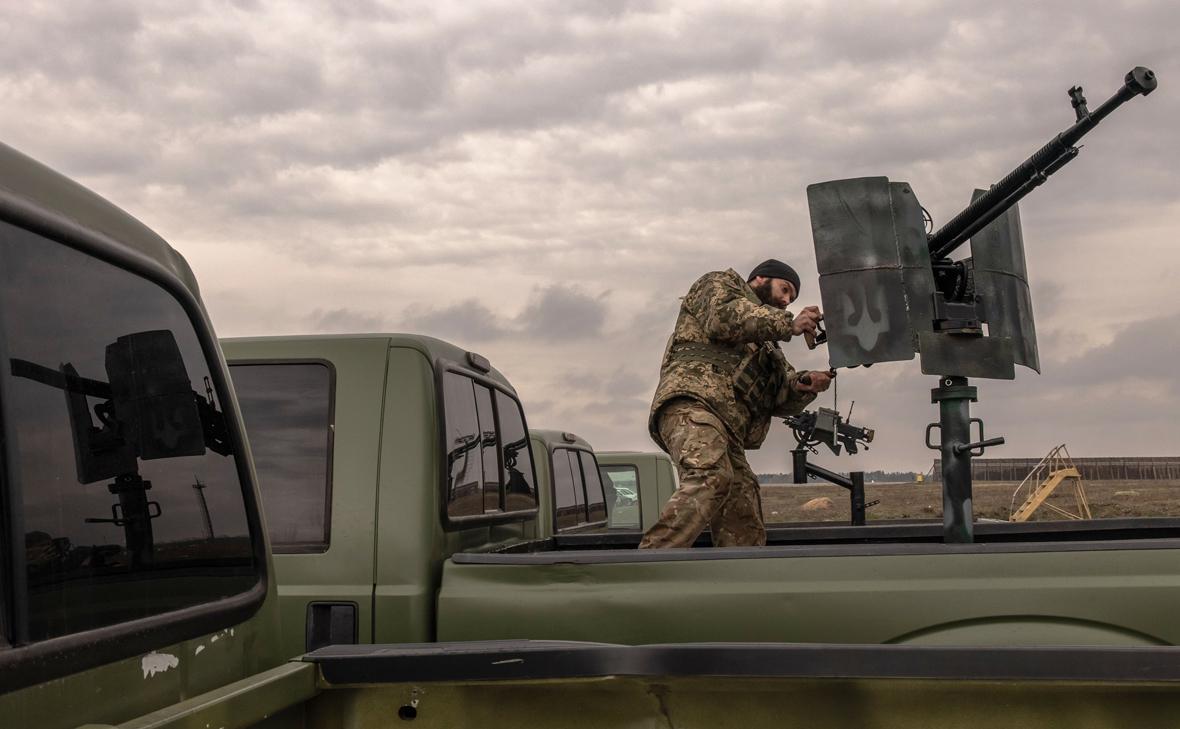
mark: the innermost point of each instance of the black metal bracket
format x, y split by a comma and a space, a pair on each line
854, 482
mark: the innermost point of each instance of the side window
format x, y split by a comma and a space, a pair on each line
489, 448
579, 483
465, 466
520, 479
567, 506
119, 474
488, 463
287, 409
622, 495
595, 496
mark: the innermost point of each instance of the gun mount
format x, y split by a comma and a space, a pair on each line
890, 290
827, 427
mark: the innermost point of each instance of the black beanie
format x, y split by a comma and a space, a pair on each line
772, 268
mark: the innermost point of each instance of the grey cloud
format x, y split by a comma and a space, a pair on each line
552, 313
1139, 350
562, 312
466, 321
346, 321
621, 383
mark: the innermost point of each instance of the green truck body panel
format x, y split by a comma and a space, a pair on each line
117, 692
28, 182
941, 594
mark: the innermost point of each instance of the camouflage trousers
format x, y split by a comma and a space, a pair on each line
717, 490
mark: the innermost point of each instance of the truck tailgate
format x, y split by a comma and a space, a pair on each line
560, 684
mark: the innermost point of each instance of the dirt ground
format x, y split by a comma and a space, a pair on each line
992, 500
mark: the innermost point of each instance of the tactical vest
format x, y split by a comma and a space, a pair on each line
757, 371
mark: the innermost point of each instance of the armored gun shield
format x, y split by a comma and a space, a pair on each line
1001, 282
874, 269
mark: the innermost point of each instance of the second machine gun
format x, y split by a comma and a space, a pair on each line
827, 427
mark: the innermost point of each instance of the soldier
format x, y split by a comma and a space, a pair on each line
722, 379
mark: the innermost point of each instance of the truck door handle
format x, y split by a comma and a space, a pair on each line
330, 623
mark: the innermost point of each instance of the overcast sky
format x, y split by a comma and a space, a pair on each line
540, 182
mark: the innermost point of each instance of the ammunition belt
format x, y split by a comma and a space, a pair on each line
707, 353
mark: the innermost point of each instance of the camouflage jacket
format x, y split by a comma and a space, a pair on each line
724, 353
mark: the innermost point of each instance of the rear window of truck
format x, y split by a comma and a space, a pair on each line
288, 412
622, 495
119, 475
489, 467
578, 494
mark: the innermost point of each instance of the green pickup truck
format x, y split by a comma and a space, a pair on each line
137, 586
419, 533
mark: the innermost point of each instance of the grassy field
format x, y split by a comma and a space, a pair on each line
992, 500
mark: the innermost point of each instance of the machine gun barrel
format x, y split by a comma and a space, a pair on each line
1037, 168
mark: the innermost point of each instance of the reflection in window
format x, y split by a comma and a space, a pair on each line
489, 449
129, 494
287, 409
462, 434
579, 482
565, 503
489, 465
570, 488
595, 497
520, 480
621, 484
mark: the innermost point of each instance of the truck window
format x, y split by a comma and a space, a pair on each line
287, 409
579, 483
567, 509
520, 479
578, 494
119, 474
489, 449
465, 465
595, 495
488, 463
622, 495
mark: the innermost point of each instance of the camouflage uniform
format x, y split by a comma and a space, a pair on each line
723, 378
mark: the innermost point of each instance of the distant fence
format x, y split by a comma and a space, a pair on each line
1146, 468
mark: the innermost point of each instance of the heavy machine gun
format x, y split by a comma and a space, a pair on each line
891, 291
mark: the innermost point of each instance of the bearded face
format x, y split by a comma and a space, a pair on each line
764, 291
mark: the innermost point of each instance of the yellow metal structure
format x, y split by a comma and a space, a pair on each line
1054, 469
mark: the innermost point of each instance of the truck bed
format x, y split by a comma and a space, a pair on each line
1094, 584
710, 685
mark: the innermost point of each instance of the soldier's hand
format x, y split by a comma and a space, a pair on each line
814, 381
806, 320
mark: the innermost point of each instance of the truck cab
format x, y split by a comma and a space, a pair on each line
573, 494
379, 455
134, 569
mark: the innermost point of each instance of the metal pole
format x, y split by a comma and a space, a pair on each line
799, 463
200, 488
857, 496
954, 397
